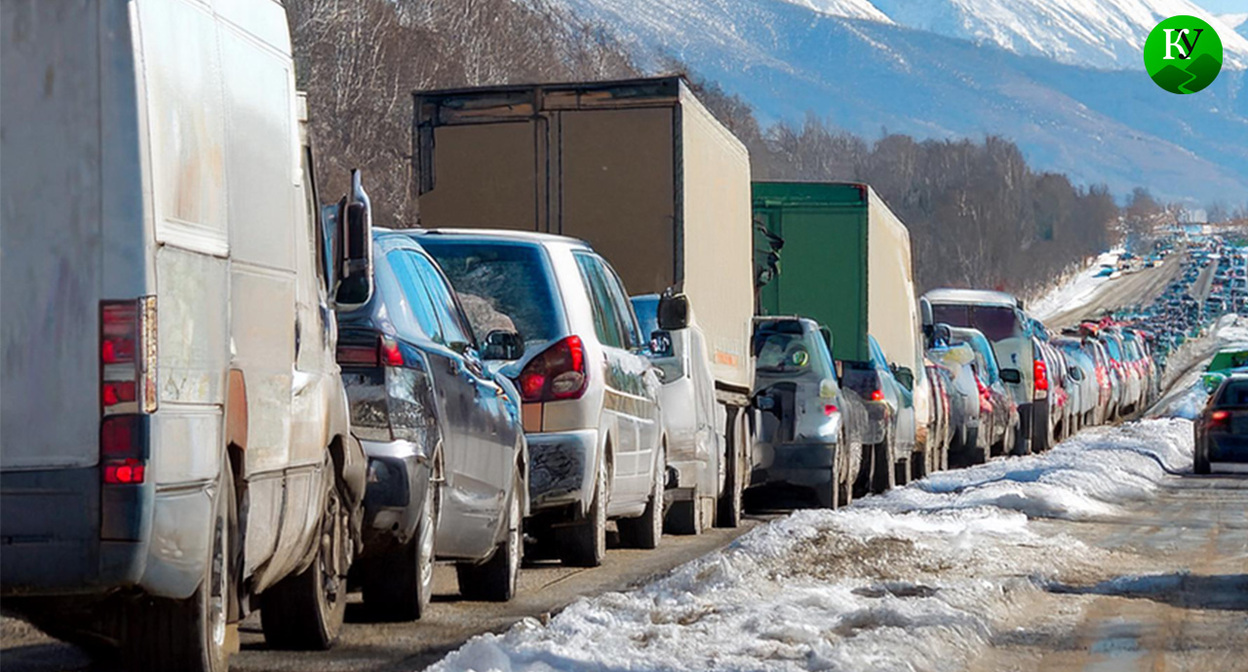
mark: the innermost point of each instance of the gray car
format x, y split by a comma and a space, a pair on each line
590, 393
810, 428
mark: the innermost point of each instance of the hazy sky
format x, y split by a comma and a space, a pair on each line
1224, 6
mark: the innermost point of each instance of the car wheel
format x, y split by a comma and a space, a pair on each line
1202, 465
883, 472
585, 543
645, 530
829, 493
730, 506
399, 585
866, 472
164, 634
976, 448
305, 611
495, 580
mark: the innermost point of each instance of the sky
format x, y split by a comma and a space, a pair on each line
1224, 6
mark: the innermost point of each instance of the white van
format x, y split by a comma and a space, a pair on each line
174, 439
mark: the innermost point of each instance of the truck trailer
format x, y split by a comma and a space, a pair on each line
846, 264
645, 174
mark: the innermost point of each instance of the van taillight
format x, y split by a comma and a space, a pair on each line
128, 350
384, 352
1041, 375
877, 395
556, 374
123, 449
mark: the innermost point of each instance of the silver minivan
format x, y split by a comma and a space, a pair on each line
590, 395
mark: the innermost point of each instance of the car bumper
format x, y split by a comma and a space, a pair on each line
1228, 449
800, 464
399, 472
561, 468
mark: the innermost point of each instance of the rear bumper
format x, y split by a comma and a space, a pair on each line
399, 472
51, 529
561, 470
800, 464
1228, 449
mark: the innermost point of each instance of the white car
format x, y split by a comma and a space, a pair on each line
590, 395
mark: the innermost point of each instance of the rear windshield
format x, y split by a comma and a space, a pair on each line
1235, 393
787, 348
502, 285
997, 322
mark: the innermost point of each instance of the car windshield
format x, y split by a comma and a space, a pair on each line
502, 285
996, 322
1234, 393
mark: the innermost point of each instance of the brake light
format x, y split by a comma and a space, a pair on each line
389, 352
128, 356
556, 374
877, 395
830, 410
1219, 418
123, 449
1041, 375
384, 353
127, 472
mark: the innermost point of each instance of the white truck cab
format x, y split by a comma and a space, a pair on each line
174, 439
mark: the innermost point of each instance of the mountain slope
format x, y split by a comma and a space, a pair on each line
1106, 126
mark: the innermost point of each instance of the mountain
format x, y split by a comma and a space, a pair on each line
864, 75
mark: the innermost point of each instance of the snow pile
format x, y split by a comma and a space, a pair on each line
854, 589
1077, 291
921, 578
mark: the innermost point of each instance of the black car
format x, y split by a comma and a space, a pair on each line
444, 438
1222, 428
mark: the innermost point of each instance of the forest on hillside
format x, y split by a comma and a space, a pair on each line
978, 214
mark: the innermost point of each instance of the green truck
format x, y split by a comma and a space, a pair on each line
845, 263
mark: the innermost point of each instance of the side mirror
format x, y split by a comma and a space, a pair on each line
353, 242
661, 343
904, 376
673, 312
501, 344
1012, 376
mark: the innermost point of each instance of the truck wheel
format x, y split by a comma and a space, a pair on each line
645, 530
883, 472
398, 585
585, 544
495, 580
163, 634
305, 610
728, 513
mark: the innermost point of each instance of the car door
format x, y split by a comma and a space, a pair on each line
622, 382
454, 391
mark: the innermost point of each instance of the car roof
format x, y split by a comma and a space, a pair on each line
532, 237
971, 296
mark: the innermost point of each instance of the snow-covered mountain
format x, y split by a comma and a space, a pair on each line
1095, 33
790, 57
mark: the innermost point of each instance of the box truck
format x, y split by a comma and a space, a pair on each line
846, 264
646, 175
174, 439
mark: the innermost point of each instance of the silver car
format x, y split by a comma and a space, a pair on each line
590, 395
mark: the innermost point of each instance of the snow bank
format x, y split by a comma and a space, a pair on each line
1076, 291
917, 579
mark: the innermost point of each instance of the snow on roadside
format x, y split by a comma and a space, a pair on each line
918, 579
1076, 291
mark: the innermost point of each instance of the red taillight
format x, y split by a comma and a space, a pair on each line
556, 374
128, 355
830, 410
385, 352
389, 352
119, 329
123, 449
1041, 375
877, 395
1219, 418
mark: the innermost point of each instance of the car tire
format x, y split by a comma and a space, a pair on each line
1202, 465
305, 611
731, 503
976, 450
829, 494
496, 579
164, 634
398, 585
883, 472
866, 472
584, 544
919, 464
646, 530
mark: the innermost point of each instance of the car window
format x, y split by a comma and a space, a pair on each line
1234, 393
619, 298
646, 308
415, 293
501, 285
607, 324
454, 331
996, 322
